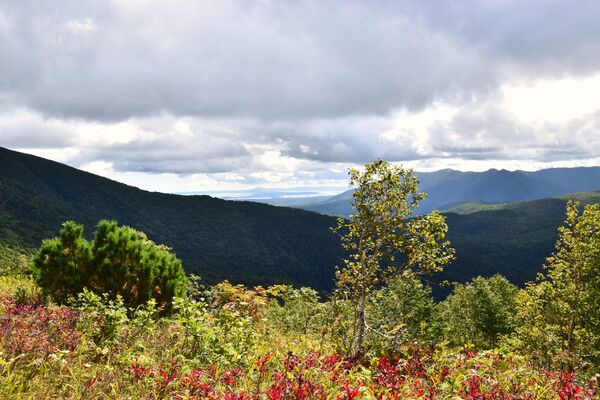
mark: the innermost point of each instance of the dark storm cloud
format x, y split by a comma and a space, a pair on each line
41, 138
350, 148
271, 60
539, 36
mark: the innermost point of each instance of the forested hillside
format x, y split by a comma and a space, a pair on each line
256, 243
217, 239
513, 239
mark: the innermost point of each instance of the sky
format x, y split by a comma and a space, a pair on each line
214, 96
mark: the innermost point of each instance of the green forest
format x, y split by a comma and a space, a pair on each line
104, 310
258, 244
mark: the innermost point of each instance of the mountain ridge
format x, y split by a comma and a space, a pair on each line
217, 239
254, 243
448, 188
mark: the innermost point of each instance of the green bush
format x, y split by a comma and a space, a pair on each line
214, 336
297, 310
401, 312
119, 261
478, 313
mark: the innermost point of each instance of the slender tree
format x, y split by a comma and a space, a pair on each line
560, 313
383, 237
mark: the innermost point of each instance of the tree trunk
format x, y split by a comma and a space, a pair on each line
570, 342
362, 323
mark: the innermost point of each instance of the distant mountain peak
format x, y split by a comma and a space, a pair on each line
448, 188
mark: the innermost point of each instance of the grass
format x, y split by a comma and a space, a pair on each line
235, 344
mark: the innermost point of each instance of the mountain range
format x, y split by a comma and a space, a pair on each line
449, 188
255, 243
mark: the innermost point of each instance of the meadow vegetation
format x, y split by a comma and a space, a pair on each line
125, 323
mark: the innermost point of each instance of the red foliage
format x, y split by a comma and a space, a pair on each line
317, 377
565, 386
38, 331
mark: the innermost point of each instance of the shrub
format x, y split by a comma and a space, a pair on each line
119, 261
37, 331
297, 310
102, 319
416, 375
480, 312
219, 336
401, 312
62, 266
20, 289
127, 263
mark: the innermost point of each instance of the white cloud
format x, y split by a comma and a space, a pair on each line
84, 25
553, 101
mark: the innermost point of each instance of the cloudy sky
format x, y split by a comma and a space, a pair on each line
192, 95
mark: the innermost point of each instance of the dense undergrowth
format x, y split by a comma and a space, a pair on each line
109, 319
228, 342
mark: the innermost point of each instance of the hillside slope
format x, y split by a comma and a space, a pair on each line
217, 239
513, 240
255, 243
473, 207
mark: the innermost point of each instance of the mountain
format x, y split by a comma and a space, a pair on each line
217, 239
448, 188
255, 243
